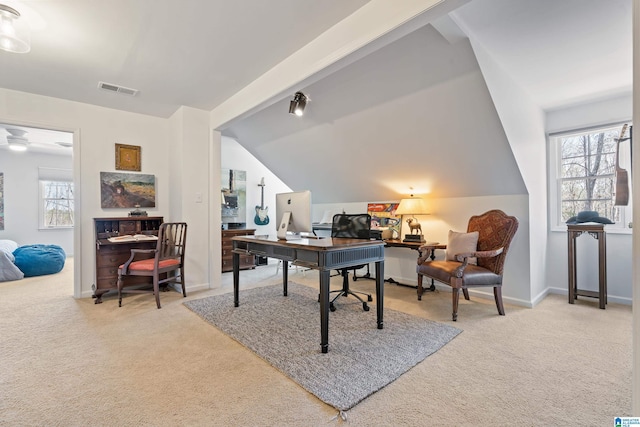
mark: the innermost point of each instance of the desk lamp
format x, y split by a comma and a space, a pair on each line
413, 206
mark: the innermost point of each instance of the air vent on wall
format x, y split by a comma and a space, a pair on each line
115, 88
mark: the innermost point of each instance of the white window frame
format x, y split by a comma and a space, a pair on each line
555, 180
41, 206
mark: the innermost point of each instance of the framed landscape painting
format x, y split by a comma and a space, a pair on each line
127, 190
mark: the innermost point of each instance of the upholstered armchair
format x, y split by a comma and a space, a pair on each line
469, 264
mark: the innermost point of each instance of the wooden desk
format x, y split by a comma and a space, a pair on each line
597, 232
109, 255
319, 254
397, 243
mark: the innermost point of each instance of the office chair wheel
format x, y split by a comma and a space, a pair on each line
369, 298
365, 307
332, 307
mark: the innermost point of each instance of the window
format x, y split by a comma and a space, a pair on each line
584, 164
56, 204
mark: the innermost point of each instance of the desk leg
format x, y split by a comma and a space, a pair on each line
236, 280
285, 277
380, 292
324, 310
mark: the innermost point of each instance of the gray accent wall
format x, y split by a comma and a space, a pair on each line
416, 113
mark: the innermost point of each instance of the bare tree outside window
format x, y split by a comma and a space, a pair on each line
587, 173
58, 203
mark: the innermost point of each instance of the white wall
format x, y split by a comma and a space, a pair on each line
606, 111
401, 122
189, 177
523, 123
22, 197
97, 130
235, 156
619, 254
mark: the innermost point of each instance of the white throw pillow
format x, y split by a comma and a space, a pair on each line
8, 246
460, 243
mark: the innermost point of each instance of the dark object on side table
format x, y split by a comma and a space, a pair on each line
588, 216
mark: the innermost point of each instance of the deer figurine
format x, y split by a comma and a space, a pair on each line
414, 226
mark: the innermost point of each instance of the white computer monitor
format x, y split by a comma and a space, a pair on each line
293, 213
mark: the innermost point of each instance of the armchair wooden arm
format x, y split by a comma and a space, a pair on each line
125, 266
426, 251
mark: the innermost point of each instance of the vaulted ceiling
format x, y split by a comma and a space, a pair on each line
415, 113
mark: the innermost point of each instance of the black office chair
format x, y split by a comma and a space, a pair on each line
356, 226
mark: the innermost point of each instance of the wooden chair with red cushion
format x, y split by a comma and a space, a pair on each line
495, 230
166, 266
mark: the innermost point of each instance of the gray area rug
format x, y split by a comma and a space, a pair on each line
285, 331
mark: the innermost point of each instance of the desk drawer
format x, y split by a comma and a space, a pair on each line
114, 249
112, 282
107, 272
111, 260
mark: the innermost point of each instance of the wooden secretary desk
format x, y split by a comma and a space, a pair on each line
110, 255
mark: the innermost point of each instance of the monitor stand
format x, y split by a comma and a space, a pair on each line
283, 234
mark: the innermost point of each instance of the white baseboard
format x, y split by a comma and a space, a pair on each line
478, 292
190, 288
488, 295
610, 298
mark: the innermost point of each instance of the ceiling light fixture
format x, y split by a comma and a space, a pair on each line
298, 103
17, 140
14, 32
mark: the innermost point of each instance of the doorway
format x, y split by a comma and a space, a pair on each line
33, 160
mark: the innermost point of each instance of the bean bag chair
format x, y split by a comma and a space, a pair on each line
38, 260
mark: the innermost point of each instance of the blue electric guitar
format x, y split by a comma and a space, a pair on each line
262, 212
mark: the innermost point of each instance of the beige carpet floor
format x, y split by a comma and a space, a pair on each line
68, 362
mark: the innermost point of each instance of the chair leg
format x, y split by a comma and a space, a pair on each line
184, 288
455, 296
345, 291
420, 288
465, 292
156, 289
497, 294
119, 290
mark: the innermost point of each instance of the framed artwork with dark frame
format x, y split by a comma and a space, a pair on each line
128, 157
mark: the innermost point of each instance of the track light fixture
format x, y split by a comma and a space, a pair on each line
297, 104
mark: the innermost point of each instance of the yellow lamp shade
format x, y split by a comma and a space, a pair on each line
413, 206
